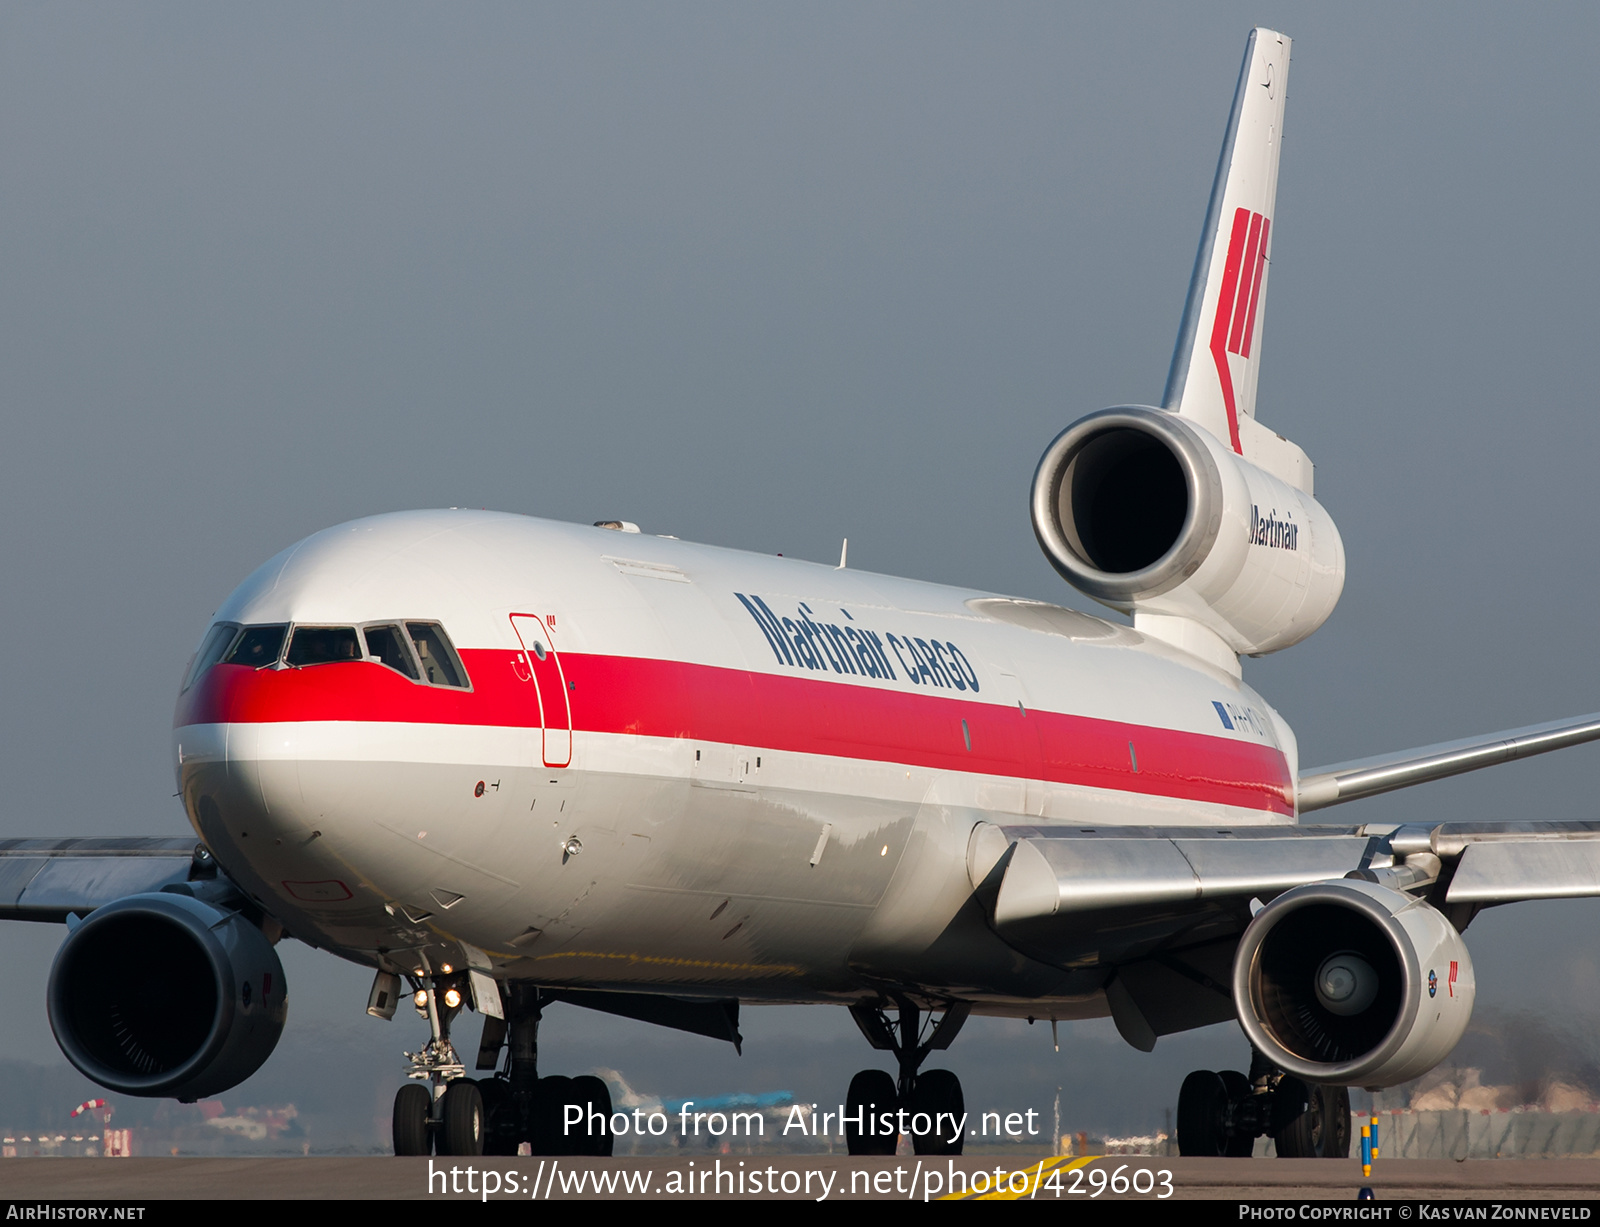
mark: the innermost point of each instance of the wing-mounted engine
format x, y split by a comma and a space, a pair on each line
165, 994
1352, 983
1149, 513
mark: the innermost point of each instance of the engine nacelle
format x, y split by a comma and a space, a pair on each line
1147, 512
163, 994
1354, 984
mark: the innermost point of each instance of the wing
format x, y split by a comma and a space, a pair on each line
1161, 909
1368, 777
51, 879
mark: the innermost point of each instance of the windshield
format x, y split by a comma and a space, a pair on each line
322, 645
257, 646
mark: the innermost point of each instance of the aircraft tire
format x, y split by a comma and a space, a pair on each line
550, 1098
938, 1093
461, 1130
592, 1094
1201, 1105
411, 1107
500, 1123
1320, 1129
871, 1093
1237, 1145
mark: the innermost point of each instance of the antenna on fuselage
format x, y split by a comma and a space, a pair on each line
844, 552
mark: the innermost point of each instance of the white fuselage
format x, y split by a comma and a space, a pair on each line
727, 774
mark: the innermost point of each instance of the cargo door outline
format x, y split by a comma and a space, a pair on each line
549, 686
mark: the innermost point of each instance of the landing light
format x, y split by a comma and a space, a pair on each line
452, 997
420, 999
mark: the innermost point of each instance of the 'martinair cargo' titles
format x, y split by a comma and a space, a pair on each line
1272, 532
802, 642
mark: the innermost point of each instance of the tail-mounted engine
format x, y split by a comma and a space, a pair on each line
1353, 984
1149, 513
164, 994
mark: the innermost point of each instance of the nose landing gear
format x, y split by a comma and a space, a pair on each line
447, 1114
511, 1112
928, 1105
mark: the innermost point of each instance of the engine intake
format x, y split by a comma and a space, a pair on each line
1126, 502
1146, 511
163, 994
1351, 983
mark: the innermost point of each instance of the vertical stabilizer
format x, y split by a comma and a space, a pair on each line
1218, 356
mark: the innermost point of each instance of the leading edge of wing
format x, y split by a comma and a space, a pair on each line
1057, 875
1367, 777
1057, 872
50, 879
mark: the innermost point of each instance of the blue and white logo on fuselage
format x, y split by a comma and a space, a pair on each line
1242, 718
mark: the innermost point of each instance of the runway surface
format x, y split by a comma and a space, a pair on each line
800, 1177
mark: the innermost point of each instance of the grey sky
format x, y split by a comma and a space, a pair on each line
769, 276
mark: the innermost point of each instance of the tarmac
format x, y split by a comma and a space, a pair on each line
818, 1177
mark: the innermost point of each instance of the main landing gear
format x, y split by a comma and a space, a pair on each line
928, 1105
1222, 1114
512, 1112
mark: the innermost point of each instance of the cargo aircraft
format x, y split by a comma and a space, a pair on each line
506, 762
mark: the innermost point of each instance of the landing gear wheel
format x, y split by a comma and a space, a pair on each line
1202, 1102
938, 1093
461, 1126
1239, 1145
500, 1124
871, 1094
592, 1095
1313, 1121
550, 1096
411, 1105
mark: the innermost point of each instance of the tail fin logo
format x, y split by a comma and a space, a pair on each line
1242, 275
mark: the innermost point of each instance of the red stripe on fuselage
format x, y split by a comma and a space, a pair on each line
665, 698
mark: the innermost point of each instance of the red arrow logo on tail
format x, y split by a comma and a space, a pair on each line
1242, 274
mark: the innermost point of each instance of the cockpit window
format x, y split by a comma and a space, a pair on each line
257, 647
440, 664
398, 646
216, 642
387, 646
322, 645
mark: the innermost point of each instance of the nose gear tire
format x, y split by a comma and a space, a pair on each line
411, 1106
461, 1124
